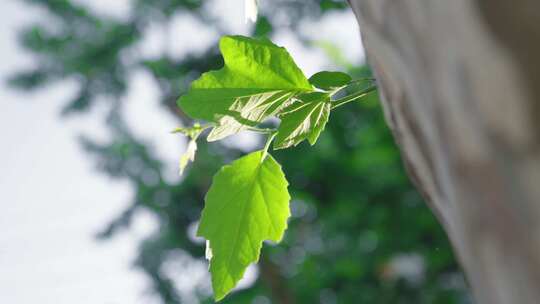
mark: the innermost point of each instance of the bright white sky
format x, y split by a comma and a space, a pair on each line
52, 199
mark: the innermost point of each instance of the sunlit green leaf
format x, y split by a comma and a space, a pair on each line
247, 204
249, 111
193, 133
257, 74
188, 156
304, 119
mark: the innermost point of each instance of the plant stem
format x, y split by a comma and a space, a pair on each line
362, 79
267, 145
195, 126
334, 91
260, 130
352, 97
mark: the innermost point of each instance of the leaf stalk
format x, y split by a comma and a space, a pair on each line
352, 97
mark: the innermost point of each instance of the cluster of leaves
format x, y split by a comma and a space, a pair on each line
248, 201
354, 211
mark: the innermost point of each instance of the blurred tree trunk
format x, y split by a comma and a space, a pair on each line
460, 84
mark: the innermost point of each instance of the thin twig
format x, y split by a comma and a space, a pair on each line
352, 97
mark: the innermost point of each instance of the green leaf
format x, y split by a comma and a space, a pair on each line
188, 156
256, 73
193, 133
249, 112
330, 80
247, 204
304, 119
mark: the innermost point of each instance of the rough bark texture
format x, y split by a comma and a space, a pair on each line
460, 84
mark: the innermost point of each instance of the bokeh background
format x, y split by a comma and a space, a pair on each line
93, 208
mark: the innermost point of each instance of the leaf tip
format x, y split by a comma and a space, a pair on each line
208, 251
188, 156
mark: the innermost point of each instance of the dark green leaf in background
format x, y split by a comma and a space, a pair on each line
330, 80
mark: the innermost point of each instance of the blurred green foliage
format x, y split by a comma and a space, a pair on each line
359, 233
